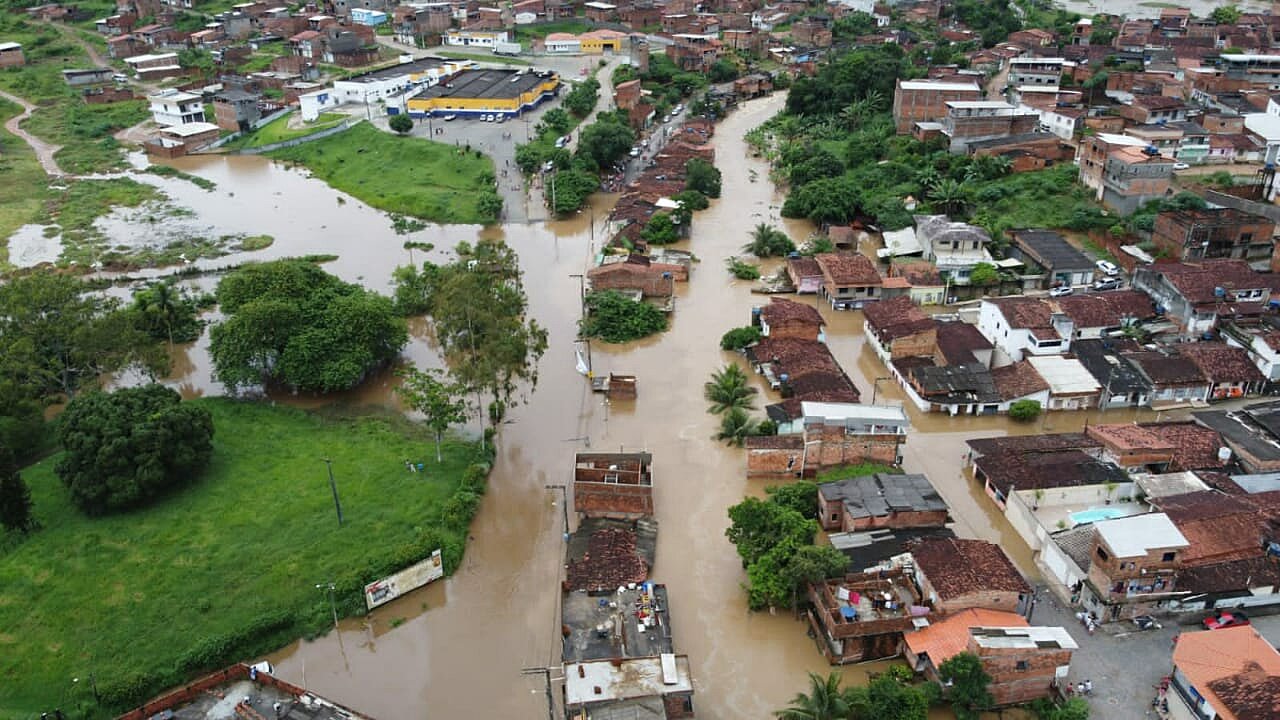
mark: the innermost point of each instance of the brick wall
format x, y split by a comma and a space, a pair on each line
1011, 683
990, 599
652, 284
674, 705
802, 330
613, 500
108, 95
910, 106
775, 461
833, 448
921, 344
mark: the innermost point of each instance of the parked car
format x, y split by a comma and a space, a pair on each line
635, 152
1061, 291
1107, 284
1234, 618
120, 78
1107, 267
450, 117
548, 166
562, 141
1181, 166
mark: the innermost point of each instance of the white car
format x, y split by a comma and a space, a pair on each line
635, 152
450, 117
1107, 268
1181, 166
1060, 291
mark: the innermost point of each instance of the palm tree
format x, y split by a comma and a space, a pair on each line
728, 390
736, 426
825, 701
162, 304
948, 195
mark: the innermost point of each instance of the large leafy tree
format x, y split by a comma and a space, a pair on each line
290, 322
127, 447
768, 241
616, 318
15, 496
437, 399
702, 176
757, 526
479, 310
967, 684
604, 143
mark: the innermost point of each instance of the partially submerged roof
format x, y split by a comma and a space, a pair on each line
1135, 535
603, 680
849, 269
1065, 376
1042, 470
780, 311
882, 494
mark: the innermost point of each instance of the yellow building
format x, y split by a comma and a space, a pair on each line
484, 92
596, 42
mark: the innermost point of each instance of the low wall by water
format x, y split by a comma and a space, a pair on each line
318, 135
256, 124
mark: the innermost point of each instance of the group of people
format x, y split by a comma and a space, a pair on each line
1082, 688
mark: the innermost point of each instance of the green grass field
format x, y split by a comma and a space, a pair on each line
223, 569
541, 30
405, 175
23, 184
279, 131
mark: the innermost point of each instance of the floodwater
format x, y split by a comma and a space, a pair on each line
459, 648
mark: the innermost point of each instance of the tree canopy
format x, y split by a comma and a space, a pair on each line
966, 683
15, 496
401, 123
616, 318
702, 176
604, 142
887, 696
123, 449
439, 401
289, 321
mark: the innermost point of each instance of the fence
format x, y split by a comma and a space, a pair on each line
318, 135
256, 124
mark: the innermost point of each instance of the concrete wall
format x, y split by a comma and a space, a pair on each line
343, 127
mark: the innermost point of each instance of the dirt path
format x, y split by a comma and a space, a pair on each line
44, 151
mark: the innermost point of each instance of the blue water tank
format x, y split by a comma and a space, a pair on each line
1219, 292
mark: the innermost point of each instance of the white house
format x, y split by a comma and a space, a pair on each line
563, 43
1071, 385
1262, 344
955, 247
1021, 326
396, 80
313, 103
365, 16
174, 107
474, 38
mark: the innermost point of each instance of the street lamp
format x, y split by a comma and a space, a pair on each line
333, 605
333, 485
875, 386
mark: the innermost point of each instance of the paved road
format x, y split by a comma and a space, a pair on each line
1125, 666
44, 151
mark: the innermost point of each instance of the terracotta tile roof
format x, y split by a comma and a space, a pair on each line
812, 372
957, 567
1024, 312
1041, 470
1126, 437
780, 311
1221, 363
1196, 281
957, 341
1195, 447
895, 318
1107, 310
1229, 576
848, 269
611, 560
1239, 656
1032, 443
949, 637
920, 273
1018, 380
1223, 538
804, 267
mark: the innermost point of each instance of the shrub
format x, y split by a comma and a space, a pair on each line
1025, 410
739, 338
742, 270
401, 123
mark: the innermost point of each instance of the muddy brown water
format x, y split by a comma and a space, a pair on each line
457, 648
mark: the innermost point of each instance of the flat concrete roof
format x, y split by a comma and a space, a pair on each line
1023, 637
1065, 376
854, 411
1135, 535
488, 84
598, 681
938, 85
413, 67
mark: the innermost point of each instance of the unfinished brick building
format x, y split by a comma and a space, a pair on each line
613, 485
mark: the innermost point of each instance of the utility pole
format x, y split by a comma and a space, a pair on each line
564, 495
333, 485
333, 605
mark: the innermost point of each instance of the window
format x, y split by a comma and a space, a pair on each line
1022, 666
1167, 557
1102, 554
835, 517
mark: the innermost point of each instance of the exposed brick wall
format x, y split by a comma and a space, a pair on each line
802, 330
613, 500
1005, 600
1011, 685
674, 705
921, 344
774, 462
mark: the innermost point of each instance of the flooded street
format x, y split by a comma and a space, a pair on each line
457, 648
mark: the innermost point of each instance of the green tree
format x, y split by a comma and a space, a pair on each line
824, 701
660, 230
768, 241
15, 496
1225, 15
739, 338
777, 578
581, 100
729, 389
289, 321
1024, 410
479, 311
556, 120
125, 448
801, 496
702, 176
163, 311
1074, 709
967, 685
604, 143
414, 289
401, 124
439, 402
947, 195
616, 318
984, 275
490, 206
723, 71
758, 526
742, 270
736, 426
888, 697
569, 189
58, 338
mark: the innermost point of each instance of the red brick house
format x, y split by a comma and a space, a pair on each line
788, 318
880, 501
638, 272
613, 485
849, 280
955, 574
